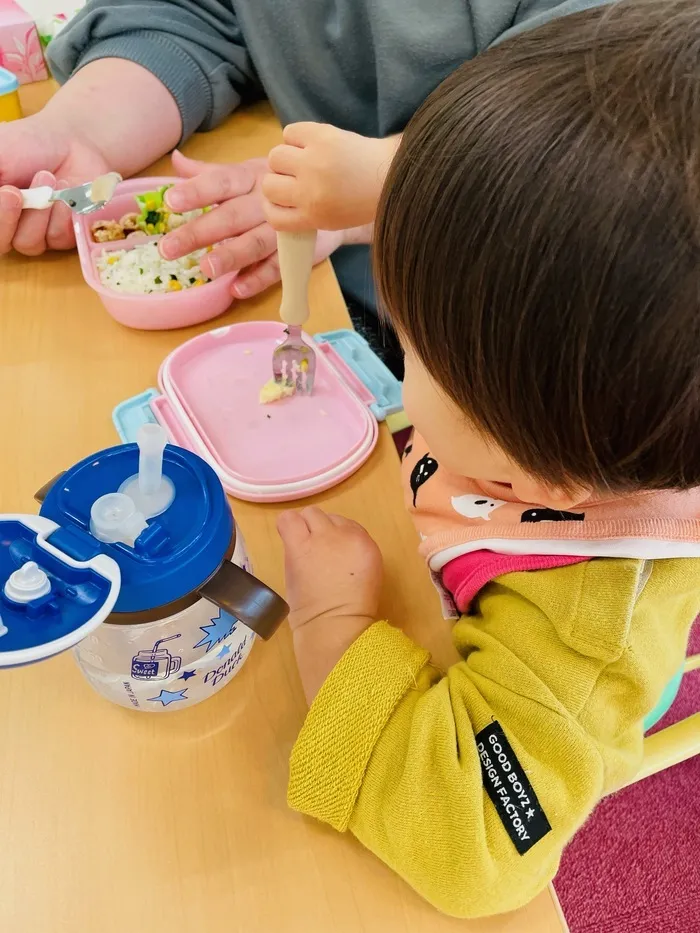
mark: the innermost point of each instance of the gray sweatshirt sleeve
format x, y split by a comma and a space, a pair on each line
533, 13
194, 47
494, 21
311, 59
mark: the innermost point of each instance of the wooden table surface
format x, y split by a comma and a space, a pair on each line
111, 820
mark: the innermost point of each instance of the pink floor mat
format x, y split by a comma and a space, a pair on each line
635, 866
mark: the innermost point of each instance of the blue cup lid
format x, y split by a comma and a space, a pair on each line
175, 554
8, 82
48, 600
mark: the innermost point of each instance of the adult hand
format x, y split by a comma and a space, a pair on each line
246, 242
34, 152
325, 178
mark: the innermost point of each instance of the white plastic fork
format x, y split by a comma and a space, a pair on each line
294, 361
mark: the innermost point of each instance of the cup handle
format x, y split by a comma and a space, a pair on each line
243, 596
175, 663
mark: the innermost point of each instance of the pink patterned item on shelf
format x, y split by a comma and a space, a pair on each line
20, 49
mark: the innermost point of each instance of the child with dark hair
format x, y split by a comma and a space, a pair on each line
538, 251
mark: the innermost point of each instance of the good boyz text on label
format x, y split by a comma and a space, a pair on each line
509, 789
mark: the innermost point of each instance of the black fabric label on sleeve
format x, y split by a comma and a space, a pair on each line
509, 789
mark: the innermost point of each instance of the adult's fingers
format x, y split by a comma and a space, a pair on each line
212, 186
60, 234
230, 219
188, 168
281, 190
256, 279
246, 250
30, 238
10, 212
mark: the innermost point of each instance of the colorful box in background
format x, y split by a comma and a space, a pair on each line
51, 16
20, 49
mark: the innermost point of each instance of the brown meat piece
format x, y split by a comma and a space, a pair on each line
106, 231
130, 223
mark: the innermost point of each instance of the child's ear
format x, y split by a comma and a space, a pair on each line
562, 500
534, 492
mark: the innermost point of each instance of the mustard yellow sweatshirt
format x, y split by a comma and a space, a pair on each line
470, 782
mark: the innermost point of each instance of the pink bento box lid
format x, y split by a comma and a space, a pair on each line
291, 449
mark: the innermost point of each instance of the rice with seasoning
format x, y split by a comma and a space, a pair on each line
141, 270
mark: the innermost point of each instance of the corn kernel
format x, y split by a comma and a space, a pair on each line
174, 286
112, 260
199, 282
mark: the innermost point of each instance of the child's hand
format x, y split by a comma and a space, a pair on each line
247, 243
333, 567
334, 579
324, 178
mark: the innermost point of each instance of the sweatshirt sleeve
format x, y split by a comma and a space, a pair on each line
528, 14
194, 48
470, 783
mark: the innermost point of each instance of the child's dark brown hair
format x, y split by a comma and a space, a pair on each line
538, 245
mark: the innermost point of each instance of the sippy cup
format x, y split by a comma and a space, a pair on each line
136, 564
9, 97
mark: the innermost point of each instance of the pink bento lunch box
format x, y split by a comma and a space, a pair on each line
299, 446
146, 312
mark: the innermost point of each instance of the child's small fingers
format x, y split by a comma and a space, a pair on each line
287, 219
340, 521
285, 160
315, 518
292, 529
300, 134
281, 190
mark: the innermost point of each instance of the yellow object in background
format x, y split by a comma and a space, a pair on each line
10, 108
398, 421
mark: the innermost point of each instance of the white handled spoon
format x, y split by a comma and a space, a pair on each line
84, 199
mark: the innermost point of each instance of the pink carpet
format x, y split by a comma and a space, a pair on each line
635, 866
